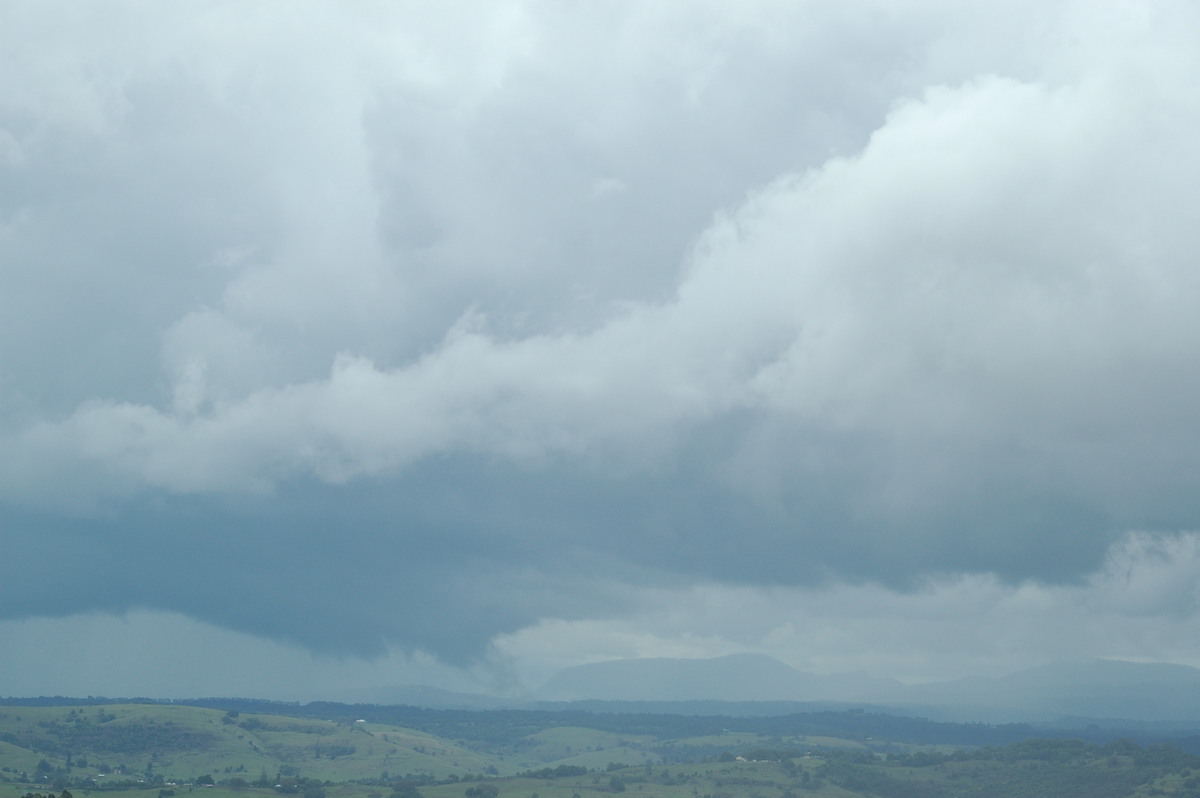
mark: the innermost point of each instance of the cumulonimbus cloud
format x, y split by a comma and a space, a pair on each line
996, 262
963, 341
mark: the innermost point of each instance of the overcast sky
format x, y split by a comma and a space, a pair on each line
376, 343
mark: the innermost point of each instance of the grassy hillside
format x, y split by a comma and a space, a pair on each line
1041, 768
172, 751
161, 743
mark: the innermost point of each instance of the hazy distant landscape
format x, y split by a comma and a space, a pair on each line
243, 747
728, 727
1093, 688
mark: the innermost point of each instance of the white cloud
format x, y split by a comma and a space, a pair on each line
960, 277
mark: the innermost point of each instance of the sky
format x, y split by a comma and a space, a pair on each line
353, 344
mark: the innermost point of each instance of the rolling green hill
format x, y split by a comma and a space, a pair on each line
162, 743
169, 751
1062, 769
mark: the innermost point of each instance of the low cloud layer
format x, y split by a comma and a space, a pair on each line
405, 328
1140, 604
1142, 601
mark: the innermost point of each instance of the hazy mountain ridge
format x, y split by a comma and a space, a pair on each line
736, 677
1144, 692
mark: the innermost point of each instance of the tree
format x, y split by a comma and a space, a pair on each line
483, 791
405, 789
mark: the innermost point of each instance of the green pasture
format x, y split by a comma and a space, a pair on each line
159, 751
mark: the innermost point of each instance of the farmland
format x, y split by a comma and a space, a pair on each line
170, 751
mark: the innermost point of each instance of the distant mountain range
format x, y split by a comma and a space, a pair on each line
737, 677
1092, 689
1072, 694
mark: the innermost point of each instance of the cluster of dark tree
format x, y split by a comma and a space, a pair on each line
483, 791
301, 785
333, 751
406, 789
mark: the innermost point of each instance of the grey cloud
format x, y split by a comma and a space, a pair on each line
421, 346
